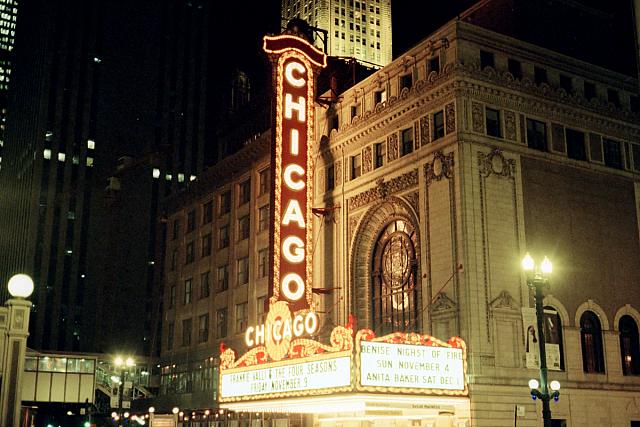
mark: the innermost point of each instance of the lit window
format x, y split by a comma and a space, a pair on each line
156, 173
47, 153
192, 178
168, 177
180, 177
61, 157
91, 144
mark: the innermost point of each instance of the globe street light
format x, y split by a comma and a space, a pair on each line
123, 364
537, 279
20, 286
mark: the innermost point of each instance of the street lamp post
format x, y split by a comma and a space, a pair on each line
537, 279
14, 330
123, 365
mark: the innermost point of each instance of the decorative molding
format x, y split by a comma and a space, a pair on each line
442, 303
504, 300
413, 199
510, 125
441, 167
425, 133
384, 188
338, 172
495, 163
353, 223
522, 95
450, 118
392, 146
477, 117
416, 134
367, 159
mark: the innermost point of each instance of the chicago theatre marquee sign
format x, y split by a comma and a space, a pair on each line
283, 364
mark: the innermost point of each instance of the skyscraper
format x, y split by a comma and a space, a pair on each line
358, 29
8, 14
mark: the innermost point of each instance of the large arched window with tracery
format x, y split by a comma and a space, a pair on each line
395, 305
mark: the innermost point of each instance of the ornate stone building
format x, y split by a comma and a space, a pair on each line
487, 148
434, 177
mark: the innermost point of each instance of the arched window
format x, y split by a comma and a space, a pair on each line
629, 348
553, 338
591, 337
395, 294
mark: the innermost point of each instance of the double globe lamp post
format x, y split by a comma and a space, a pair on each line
537, 280
123, 364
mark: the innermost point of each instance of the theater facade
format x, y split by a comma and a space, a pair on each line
359, 265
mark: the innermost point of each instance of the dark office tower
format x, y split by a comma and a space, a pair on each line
51, 163
8, 14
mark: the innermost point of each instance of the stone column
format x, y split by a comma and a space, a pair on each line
15, 344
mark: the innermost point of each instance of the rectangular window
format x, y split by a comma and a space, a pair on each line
356, 166
190, 252
264, 181
612, 153
225, 202
355, 111
223, 236
380, 153
566, 83
635, 151
589, 90
244, 192
407, 141
406, 81
203, 328
207, 212
191, 221
438, 125
634, 104
188, 289
176, 229
263, 263
331, 180
244, 224
223, 277
174, 259
221, 323
536, 135
380, 96
515, 68
172, 296
205, 284
487, 59
170, 331
261, 302
243, 271
433, 65
206, 245
539, 75
242, 317
263, 218
186, 332
576, 148
492, 119
613, 97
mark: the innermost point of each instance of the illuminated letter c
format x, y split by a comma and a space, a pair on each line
288, 74
288, 176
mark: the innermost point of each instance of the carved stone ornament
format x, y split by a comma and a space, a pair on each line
353, 224
477, 117
440, 167
450, 117
495, 163
510, 125
338, 172
416, 134
413, 199
504, 301
384, 188
424, 130
392, 146
367, 159
443, 303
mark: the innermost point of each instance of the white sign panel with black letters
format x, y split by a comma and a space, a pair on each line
411, 366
